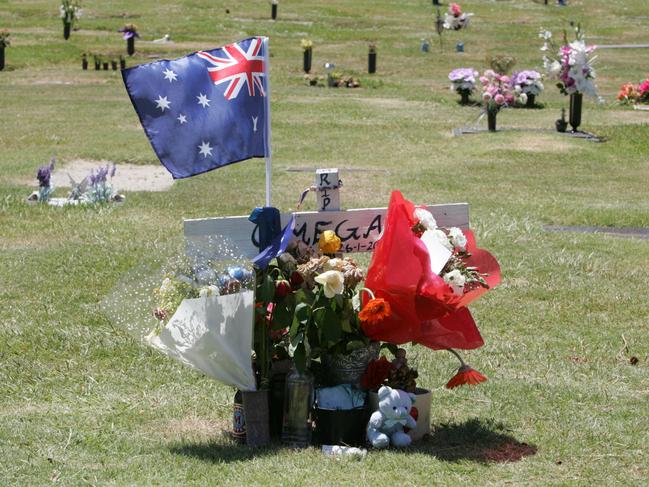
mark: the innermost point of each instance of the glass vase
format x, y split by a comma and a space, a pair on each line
298, 401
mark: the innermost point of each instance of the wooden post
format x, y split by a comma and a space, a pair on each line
327, 186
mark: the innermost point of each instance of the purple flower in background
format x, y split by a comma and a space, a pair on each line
99, 177
129, 30
463, 74
525, 77
44, 174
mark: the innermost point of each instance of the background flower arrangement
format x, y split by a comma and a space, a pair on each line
571, 65
455, 19
498, 91
463, 82
630, 93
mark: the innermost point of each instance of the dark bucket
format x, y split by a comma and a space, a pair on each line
341, 426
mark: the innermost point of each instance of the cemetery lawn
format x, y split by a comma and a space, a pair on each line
83, 402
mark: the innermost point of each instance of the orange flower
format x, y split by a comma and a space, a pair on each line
375, 311
465, 375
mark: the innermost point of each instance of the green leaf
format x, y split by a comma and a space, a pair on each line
346, 326
282, 316
331, 330
266, 289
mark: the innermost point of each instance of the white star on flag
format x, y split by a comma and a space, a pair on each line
203, 100
162, 102
170, 75
182, 119
205, 149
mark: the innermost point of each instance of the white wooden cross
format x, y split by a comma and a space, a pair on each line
359, 229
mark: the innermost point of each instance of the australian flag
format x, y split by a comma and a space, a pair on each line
205, 110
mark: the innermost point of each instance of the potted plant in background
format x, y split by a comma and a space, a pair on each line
69, 12
307, 52
84, 61
97, 61
463, 83
4, 42
371, 58
571, 66
129, 32
528, 82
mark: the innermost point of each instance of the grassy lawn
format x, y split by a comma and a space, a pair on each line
82, 402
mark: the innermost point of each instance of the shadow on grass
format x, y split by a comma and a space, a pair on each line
225, 452
476, 440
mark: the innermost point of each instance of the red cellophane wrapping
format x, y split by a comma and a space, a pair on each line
424, 308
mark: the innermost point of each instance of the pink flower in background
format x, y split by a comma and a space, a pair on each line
499, 99
643, 87
456, 10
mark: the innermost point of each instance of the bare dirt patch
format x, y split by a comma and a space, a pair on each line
128, 177
192, 427
541, 144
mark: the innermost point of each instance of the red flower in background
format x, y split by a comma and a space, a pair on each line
376, 373
465, 375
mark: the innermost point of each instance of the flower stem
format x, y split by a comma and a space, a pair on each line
457, 355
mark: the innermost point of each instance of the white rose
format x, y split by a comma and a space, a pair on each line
456, 280
332, 281
426, 218
457, 238
522, 98
210, 290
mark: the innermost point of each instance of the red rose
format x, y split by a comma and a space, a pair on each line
282, 288
376, 373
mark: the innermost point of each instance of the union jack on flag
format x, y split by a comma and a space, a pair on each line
195, 111
238, 67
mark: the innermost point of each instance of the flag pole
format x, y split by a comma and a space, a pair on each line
269, 152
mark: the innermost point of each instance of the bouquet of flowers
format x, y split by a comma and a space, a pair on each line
463, 81
204, 311
630, 93
498, 92
454, 19
70, 10
571, 65
528, 82
423, 277
312, 300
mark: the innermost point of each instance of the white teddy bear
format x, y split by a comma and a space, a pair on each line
386, 425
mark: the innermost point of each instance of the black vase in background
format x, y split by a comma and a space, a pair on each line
113, 65
371, 62
106, 66
97, 65
308, 53
66, 30
2, 58
273, 11
531, 99
464, 94
575, 110
436, 2
130, 45
84, 63
122, 63
491, 120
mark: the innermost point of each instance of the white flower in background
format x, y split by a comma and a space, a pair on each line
457, 238
442, 238
332, 281
545, 34
426, 218
210, 290
167, 286
522, 98
456, 280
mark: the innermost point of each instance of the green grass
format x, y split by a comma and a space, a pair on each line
83, 402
